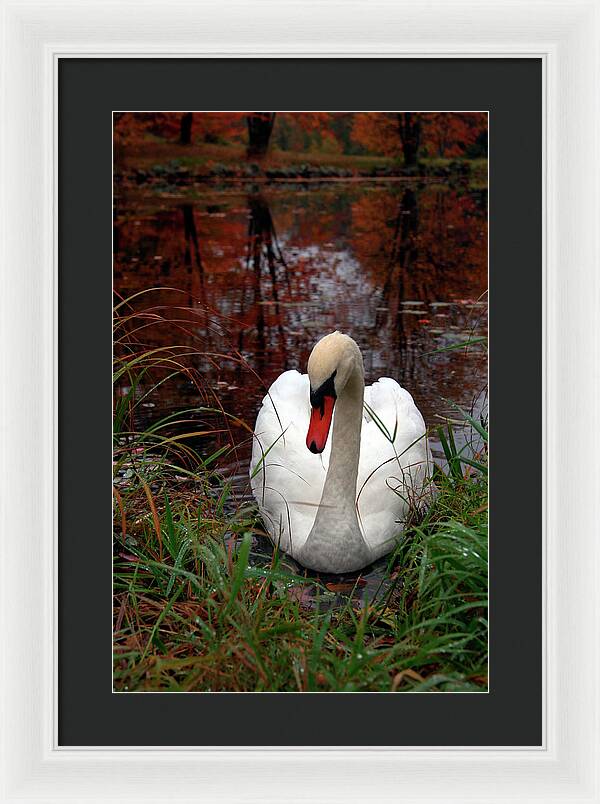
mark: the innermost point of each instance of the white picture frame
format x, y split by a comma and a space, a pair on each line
565, 35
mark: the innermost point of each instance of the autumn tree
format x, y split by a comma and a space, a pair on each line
185, 135
402, 135
409, 129
451, 134
260, 126
340, 126
377, 133
130, 127
294, 131
408, 134
133, 127
381, 133
318, 128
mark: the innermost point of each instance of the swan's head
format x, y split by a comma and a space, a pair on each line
332, 362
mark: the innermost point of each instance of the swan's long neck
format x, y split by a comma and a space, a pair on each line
340, 483
335, 542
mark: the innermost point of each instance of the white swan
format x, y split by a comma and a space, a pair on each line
306, 485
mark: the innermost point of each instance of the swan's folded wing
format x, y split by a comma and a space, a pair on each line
394, 461
286, 478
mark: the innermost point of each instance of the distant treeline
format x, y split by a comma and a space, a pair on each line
407, 136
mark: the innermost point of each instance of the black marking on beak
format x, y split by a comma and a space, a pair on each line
313, 448
317, 398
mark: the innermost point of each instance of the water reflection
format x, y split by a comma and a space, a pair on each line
264, 249
401, 267
191, 256
403, 256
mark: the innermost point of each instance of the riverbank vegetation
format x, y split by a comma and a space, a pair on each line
275, 146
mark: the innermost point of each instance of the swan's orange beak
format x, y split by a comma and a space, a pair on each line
320, 422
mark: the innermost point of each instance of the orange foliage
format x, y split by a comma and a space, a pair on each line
442, 133
208, 126
434, 133
449, 134
133, 127
378, 132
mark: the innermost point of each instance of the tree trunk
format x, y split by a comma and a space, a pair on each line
185, 135
260, 126
409, 128
190, 234
401, 268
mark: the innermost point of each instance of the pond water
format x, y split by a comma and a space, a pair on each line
399, 265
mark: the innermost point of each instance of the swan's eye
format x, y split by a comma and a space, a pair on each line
317, 398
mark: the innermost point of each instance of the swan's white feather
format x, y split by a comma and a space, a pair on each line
287, 479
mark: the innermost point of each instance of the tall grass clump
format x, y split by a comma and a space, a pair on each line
200, 604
